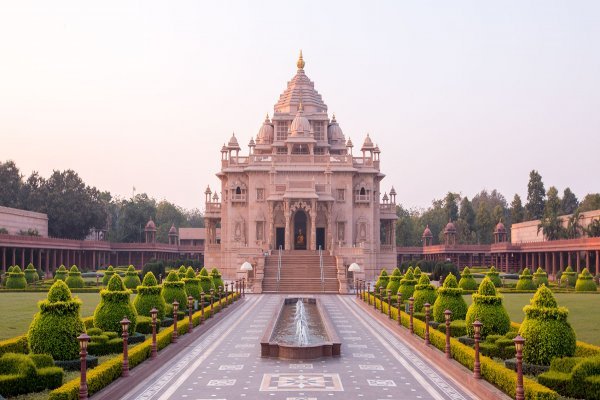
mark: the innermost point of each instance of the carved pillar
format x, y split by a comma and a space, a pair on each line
313, 225
288, 234
329, 239
271, 227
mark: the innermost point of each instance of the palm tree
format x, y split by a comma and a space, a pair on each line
552, 227
574, 228
593, 229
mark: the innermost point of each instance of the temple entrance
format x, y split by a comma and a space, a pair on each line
300, 238
320, 238
279, 238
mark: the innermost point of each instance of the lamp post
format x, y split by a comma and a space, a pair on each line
476, 365
389, 301
83, 343
212, 298
399, 303
230, 292
125, 326
190, 310
243, 287
369, 293
201, 307
448, 316
246, 267
175, 309
519, 342
220, 297
427, 305
411, 309
381, 299
153, 314
97, 279
354, 268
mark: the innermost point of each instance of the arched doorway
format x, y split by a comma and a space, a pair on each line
300, 237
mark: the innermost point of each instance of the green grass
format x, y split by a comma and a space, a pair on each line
582, 316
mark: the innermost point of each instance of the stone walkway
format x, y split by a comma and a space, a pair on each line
225, 363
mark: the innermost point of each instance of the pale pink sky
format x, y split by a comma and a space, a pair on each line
458, 95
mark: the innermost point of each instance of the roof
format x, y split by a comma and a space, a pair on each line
300, 88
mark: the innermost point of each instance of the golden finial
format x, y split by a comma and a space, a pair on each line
267, 117
300, 106
300, 63
333, 118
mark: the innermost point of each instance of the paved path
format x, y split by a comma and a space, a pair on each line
225, 363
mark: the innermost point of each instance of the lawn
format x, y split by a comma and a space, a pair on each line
581, 307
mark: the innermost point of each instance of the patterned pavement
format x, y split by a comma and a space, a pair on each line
225, 363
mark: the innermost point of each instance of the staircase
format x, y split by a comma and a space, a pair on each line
301, 273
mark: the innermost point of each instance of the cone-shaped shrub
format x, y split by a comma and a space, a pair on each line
424, 293
61, 274
16, 279
132, 279
148, 296
569, 277
181, 271
114, 305
417, 273
540, 276
546, 331
467, 282
55, 327
174, 289
394, 281
526, 281
74, 280
110, 271
192, 284
494, 277
215, 275
585, 282
31, 274
382, 280
205, 282
407, 285
10, 269
449, 298
488, 309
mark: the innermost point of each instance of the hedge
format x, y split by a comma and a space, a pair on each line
16, 279
540, 276
21, 374
215, 275
585, 282
382, 280
394, 281
31, 274
110, 271
17, 344
494, 276
61, 273
488, 309
114, 305
467, 282
449, 298
149, 297
74, 280
132, 279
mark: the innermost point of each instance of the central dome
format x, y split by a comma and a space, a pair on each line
300, 124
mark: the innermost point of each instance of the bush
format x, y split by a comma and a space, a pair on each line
181, 272
16, 279
174, 289
540, 276
132, 279
102, 345
487, 308
494, 276
442, 269
192, 284
394, 281
144, 325
109, 273
546, 330
17, 344
205, 282
407, 285
115, 304
156, 267
417, 273
61, 273
382, 280
525, 281
74, 280
585, 282
55, 327
457, 328
31, 274
574, 377
21, 374
569, 277
449, 298
424, 293
215, 275
467, 282
148, 296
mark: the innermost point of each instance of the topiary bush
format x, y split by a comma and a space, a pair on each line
55, 327
205, 282
132, 279
174, 289
394, 281
526, 281
540, 276
31, 274
181, 272
74, 280
148, 296
488, 309
16, 279
407, 285
585, 282
382, 280
449, 298
192, 284
546, 330
417, 273
424, 293
215, 275
494, 276
21, 374
569, 277
61, 273
467, 282
110, 271
114, 305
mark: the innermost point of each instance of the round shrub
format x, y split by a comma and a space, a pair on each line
424, 293
449, 298
114, 305
192, 284
174, 289
132, 279
394, 281
31, 274
148, 296
494, 276
407, 285
569, 277
526, 281
205, 282
181, 271
382, 280
488, 309
467, 282
74, 280
585, 282
55, 327
61, 274
215, 275
545, 328
16, 279
110, 271
540, 276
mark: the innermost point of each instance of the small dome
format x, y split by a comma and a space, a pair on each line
368, 144
224, 148
500, 228
173, 230
300, 124
393, 191
376, 149
233, 143
385, 197
215, 197
450, 228
266, 132
208, 191
251, 143
427, 232
334, 132
150, 226
349, 143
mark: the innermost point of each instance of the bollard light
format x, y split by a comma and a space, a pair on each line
190, 311
201, 307
427, 306
212, 297
389, 301
125, 326
381, 299
84, 339
476, 365
153, 314
399, 304
448, 317
411, 309
220, 297
175, 309
519, 343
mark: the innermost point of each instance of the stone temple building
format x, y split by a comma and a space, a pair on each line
300, 189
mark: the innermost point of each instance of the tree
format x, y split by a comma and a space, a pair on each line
516, 210
569, 202
406, 228
10, 182
195, 218
484, 224
535, 196
130, 218
467, 213
550, 223
593, 229
574, 227
450, 206
168, 214
590, 202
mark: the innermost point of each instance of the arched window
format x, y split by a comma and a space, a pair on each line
238, 190
362, 191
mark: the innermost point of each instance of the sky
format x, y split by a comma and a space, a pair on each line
460, 96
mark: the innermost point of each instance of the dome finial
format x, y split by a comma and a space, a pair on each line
300, 106
300, 63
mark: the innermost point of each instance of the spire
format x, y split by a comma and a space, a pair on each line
333, 118
300, 63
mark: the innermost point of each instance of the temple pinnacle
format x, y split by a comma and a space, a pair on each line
300, 64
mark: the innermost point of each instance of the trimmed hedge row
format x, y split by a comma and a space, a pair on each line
21, 374
17, 344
